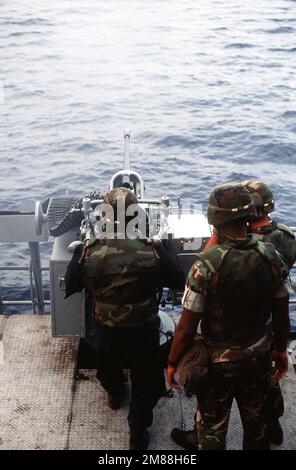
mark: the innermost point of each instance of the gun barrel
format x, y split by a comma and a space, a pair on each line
127, 136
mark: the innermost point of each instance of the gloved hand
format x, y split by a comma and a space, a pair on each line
281, 364
74, 274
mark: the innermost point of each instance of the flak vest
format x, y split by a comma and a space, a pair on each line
122, 275
243, 280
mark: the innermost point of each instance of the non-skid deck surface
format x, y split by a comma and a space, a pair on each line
36, 379
44, 407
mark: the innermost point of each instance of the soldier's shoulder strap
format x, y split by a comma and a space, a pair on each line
85, 246
213, 257
286, 229
268, 251
211, 263
259, 236
212, 260
92, 245
93, 242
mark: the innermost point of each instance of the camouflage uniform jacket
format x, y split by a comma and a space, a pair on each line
123, 276
232, 285
282, 238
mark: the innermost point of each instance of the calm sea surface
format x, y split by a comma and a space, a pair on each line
207, 87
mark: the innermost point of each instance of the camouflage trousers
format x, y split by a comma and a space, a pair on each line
247, 382
274, 405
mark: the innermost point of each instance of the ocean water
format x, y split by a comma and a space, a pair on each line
207, 87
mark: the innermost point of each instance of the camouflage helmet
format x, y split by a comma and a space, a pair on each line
119, 199
229, 202
112, 196
262, 196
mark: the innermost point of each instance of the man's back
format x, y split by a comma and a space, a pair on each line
240, 278
123, 276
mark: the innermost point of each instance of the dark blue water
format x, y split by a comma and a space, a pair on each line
207, 87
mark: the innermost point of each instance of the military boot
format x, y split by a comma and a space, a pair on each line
186, 439
115, 399
139, 439
275, 432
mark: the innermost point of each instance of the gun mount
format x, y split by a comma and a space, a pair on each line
183, 231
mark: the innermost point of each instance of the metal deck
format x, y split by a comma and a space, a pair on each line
45, 406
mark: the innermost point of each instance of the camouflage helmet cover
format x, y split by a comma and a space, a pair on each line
112, 196
262, 196
229, 202
113, 210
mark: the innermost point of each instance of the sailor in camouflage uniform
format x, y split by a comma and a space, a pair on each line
229, 289
123, 275
284, 241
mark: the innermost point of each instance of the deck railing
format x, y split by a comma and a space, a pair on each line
37, 301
